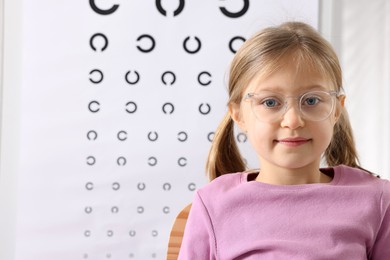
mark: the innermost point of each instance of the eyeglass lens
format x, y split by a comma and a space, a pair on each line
313, 106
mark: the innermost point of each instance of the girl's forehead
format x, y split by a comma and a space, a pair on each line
290, 78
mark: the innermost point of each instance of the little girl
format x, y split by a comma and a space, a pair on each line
285, 93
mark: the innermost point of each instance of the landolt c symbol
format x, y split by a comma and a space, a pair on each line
201, 82
233, 40
168, 73
239, 13
152, 41
100, 35
175, 13
99, 79
168, 108
101, 11
196, 49
204, 111
137, 77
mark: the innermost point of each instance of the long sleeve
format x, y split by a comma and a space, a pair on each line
233, 218
381, 248
199, 240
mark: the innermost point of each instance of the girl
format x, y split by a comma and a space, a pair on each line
285, 93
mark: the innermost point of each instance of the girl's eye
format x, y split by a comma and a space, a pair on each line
311, 101
270, 103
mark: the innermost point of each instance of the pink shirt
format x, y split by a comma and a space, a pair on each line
233, 218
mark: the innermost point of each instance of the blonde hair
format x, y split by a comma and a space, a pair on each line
261, 55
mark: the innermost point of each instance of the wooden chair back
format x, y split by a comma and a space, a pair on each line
177, 232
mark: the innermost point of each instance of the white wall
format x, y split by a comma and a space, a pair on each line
360, 32
10, 83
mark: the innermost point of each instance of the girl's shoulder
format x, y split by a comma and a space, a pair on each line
223, 183
354, 174
350, 176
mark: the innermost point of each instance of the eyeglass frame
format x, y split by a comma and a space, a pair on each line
249, 96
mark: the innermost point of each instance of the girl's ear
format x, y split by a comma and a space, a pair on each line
235, 114
341, 100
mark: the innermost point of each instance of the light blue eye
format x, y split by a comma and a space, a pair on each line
270, 103
311, 101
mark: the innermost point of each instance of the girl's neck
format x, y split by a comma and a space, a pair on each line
283, 176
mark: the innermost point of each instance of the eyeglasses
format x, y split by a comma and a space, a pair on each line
269, 107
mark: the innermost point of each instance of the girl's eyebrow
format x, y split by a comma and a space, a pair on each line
316, 87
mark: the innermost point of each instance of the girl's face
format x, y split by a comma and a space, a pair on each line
289, 141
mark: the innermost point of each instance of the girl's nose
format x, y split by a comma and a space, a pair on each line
292, 118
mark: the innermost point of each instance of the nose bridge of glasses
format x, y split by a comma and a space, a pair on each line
296, 103
292, 115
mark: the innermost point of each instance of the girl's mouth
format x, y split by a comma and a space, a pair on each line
293, 142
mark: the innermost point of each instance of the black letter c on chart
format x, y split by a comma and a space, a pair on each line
91, 41
241, 138
170, 73
175, 13
151, 40
152, 136
233, 40
182, 161
122, 135
121, 161
91, 160
89, 186
152, 161
191, 186
116, 186
101, 11
202, 111
182, 136
96, 81
141, 186
134, 81
170, 110
167, 186
92, 135
196, 49
238, 14
131, 107
204, 83
94, 106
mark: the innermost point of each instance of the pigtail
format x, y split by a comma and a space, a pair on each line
341, 149
224, 155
